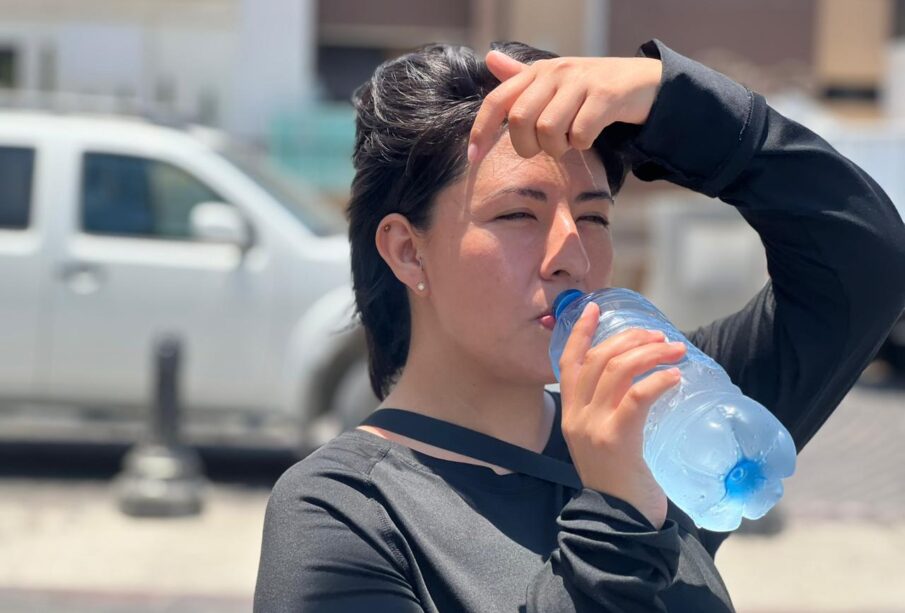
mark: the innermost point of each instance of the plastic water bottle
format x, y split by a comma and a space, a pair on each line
717, 454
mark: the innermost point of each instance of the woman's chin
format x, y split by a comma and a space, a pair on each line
545, 374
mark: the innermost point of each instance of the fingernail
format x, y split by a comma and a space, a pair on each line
472, 152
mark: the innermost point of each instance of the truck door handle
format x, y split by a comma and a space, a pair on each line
82, 279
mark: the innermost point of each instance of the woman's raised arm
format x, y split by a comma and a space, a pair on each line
835, 244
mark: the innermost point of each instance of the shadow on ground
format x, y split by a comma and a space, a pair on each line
93, 461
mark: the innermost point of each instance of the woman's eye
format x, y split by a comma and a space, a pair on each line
598, 220
522, 215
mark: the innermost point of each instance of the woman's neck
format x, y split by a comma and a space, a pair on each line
521, 416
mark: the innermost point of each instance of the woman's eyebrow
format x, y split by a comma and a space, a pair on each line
599, 194
536, 194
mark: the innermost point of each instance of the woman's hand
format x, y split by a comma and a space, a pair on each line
562, 103
603, 412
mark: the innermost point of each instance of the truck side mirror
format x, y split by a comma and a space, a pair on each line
220, 223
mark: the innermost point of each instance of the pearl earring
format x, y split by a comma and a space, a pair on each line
420, 285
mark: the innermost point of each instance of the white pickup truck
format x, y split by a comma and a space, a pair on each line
116, 231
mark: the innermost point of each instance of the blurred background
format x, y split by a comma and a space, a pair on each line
175, 287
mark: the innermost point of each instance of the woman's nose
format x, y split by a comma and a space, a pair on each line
565, 253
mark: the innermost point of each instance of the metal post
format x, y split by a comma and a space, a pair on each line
164, 421
160, 477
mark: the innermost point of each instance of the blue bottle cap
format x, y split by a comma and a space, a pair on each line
565, 299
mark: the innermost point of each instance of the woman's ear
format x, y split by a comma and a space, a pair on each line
397, 242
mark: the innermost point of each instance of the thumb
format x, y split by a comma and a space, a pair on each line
502, 66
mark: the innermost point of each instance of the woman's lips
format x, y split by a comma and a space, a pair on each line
547, 321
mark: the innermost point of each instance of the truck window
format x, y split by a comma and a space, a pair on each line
304, 203
16, 171
133, 196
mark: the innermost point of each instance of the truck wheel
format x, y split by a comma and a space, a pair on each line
351, 403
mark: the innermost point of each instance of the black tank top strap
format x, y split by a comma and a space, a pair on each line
478, 445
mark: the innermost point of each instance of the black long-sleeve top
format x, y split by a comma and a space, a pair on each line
366, 524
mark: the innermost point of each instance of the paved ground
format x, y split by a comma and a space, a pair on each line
842, 547
855, 465
65, 547
42, 601
818, 565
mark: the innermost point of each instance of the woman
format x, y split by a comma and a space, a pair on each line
463, 234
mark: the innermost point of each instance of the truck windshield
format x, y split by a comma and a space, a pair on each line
300, 199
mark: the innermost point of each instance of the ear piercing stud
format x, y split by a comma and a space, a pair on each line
420, 285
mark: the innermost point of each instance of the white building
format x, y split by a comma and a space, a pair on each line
227, 63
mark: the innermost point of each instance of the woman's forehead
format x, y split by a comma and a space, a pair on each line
578, 175
504, 168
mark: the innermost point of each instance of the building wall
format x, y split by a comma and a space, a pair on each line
185, 12
353, 37
851, 44
836, 49
894, 95
392, 24
229, 63
274, 67
358, 36
554, 26
757, 43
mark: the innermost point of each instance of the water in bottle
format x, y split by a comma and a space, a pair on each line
717, 454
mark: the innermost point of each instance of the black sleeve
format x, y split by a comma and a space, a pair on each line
834, 242
609, 558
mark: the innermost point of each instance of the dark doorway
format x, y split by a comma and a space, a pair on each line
7, 67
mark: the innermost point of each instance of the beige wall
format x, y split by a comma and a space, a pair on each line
554, 26
765, 44
765, 32
395, 25
851, 42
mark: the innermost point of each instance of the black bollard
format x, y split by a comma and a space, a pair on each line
160, 476
165, 420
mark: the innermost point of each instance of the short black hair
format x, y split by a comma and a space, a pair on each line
413, 119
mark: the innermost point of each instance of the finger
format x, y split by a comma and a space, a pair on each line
577, 345
593, 116
590, 369
524, 115
493, 111
636, 403
620, 372
503, 66
556, 120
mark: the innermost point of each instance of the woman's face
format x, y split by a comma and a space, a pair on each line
506, 240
